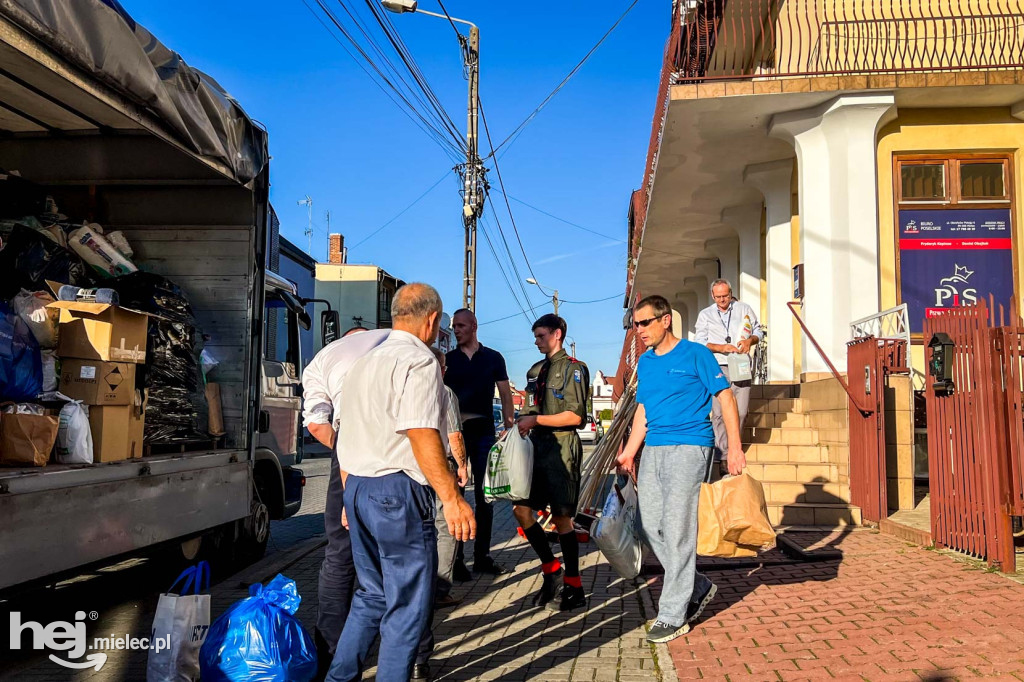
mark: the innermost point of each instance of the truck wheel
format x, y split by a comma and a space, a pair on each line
255, 528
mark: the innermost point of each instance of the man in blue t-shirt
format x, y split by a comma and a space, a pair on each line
676, 382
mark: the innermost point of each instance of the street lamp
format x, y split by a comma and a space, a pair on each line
554, 298
473, 180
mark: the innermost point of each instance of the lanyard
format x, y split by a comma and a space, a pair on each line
726, 323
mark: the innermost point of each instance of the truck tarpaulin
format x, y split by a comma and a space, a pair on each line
101, 38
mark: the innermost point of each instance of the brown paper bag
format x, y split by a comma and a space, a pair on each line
743, 511
710, 533
732, 518
26, 439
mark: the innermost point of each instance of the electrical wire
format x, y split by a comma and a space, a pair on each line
402, 212
508, 283
510, 140
598, 300
567, 222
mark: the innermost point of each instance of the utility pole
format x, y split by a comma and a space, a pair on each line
308, 203
472, 196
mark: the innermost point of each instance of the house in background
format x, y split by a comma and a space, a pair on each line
601, 388
361, 294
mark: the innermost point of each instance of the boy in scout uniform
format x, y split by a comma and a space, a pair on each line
558, 389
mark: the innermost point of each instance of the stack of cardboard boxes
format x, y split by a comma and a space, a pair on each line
99, 347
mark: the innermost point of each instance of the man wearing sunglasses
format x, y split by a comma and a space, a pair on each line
676, 382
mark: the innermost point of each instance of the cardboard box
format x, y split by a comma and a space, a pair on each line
97, 383
99, 331
117, 432
109, 425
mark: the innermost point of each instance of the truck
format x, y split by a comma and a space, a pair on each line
118, 129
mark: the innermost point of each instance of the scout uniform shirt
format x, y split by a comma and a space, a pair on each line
555, 385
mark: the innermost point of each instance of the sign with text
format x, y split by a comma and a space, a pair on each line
953, 257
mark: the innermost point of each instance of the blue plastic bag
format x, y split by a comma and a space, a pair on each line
21, 365
259, 639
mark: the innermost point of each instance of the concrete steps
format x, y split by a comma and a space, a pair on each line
803, 485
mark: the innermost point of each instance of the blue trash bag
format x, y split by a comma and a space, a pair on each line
259, 639
21, 365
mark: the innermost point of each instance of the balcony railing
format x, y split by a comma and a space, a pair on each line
762, 39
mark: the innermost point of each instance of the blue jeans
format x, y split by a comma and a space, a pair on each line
668, 488
337, 574
394, 545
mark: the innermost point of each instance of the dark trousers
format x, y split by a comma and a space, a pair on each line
479, 437
394, 545
337, 574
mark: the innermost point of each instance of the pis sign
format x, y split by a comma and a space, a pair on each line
953, 257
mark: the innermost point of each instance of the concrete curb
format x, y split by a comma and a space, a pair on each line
268, 567
662, 658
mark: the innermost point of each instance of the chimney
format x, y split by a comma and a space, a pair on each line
336, 249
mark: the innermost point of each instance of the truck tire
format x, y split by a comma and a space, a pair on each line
255, 528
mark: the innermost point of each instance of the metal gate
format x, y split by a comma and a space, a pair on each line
869, 363
975, 433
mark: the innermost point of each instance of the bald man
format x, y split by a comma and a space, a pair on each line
393, 462
473, 372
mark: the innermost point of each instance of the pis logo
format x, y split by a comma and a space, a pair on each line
955, 291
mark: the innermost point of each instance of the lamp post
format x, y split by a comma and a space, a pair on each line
473, 180
554, 298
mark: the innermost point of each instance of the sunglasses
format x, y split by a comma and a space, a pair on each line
645, 323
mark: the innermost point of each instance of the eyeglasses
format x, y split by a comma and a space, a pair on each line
645, 323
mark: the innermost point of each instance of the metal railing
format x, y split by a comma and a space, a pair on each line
744, 39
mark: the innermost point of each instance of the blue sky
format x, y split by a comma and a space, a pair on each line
336, 137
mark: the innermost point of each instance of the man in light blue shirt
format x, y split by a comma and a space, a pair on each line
728, 327
677, 380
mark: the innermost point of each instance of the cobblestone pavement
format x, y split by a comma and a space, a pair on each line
887, 611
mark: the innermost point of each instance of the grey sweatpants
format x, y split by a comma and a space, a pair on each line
741, 390
668, 487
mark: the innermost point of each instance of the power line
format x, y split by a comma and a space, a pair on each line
519, 129
598, 300
402, 212
497, 261
567, 222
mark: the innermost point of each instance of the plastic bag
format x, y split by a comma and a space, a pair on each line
182, 620
119, 242
29, 259
42, 321
74, 435
259, 639
616, 533
509, 472
92, 247
729, 508
50, 374
21, 369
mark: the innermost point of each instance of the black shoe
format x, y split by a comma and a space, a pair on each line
421, 671
663, 632
550, 589
488, 565
461, 574
572, 598
696, 608
446, 601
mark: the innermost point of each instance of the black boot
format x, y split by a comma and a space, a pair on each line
550, 589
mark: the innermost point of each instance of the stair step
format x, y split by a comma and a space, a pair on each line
777, 421
806, 454
774, 391
823, 515
776, 405
790, 492
793, 435
797, 472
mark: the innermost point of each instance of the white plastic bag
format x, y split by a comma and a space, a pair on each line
180, 625
42, 321
74, 437
119, 242
94, 249
617, 534
509, 472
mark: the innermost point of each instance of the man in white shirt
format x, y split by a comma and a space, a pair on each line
322, 381
393, 460
727, 327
